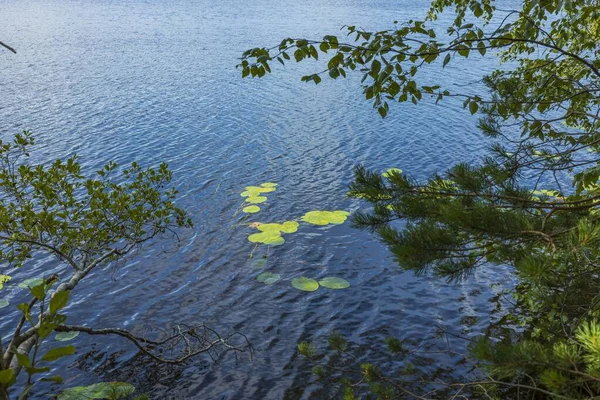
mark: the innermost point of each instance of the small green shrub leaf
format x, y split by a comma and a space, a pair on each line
56, 353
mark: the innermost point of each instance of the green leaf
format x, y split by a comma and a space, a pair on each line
331, 282
305, 284
464, 51
23, 359
375, 67
481, 48
7, 377
382, 111
446, 60
39, 291
66, 336
268, 278
473, 107
35, 370
58, 352
251, 209
55, 379
24, 307
58, 301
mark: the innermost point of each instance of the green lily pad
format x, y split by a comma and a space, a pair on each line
268, 238
268, 278
4, 279
259, 189
391, 171
332, 282
276, 228
305, 284
31, 282
4, 303
251, 209
66, 336
268, 185
286, 227
289, 227
256, 199
325, 217
260, 263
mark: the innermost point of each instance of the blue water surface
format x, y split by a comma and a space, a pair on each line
155, 81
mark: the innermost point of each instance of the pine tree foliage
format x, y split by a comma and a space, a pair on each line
531, 204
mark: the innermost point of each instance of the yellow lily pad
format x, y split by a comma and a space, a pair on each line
268, 278
289, 227
251, 209
332, 282
305, 284
269, 238
259, 189
268, 185
256, 199
286, 227
325, 217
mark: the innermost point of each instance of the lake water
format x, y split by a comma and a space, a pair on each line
156, 80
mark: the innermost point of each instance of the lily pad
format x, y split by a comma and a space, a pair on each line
251, 209
325, 217
268, 184
259, 189
305, 284
268, 278
268, 238
290, 227
276, 228
391, 171
286, 227
4, 279
256, 199
66, 336
31, 282
4, 303
260, 263
332, 282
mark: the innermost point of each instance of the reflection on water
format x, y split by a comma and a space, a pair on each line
155, 80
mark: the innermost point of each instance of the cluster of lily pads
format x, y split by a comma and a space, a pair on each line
256, 195
271, 234
305, 284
